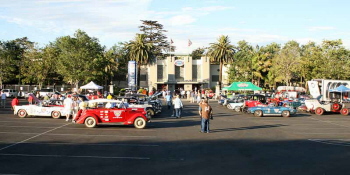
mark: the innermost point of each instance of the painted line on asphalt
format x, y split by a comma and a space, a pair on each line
329, 122
65, 156
338, 142
33, 137
67, 128
96, 144
87, 135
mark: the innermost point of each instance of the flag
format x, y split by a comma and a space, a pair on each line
171, 41
189, 42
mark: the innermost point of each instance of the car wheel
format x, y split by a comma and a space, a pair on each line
90, 122
258, 113
22, 113
229, 106
55, 114
319, 111
285, 113
344, 111
150, 112
140, 123
238, 109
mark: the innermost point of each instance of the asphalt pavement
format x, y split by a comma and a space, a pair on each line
238, 144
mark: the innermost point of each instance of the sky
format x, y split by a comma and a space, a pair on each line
201, 21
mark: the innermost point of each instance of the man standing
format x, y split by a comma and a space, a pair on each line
178, 107
14, 102
168, 100
205, 111
3, 99
68, 106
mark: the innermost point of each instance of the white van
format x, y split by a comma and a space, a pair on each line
44, 92
10, 92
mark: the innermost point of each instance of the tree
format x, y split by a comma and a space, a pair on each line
285, 63
241, 68
38, 65
139, 50
11, 54
154, 34
197, 54
221, 52
80, 58
117, 66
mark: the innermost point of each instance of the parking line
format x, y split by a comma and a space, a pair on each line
94, 144
64, 156
329, 122
87, 135
33, 137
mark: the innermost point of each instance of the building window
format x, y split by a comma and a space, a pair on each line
143, 77
160, 73
196, 72
179, 73
215, 78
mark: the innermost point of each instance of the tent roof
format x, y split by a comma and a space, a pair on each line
91, 85
242, 86
341, 88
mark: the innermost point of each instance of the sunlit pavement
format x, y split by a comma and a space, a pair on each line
238, 144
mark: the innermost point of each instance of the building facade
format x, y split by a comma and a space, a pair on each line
182, 72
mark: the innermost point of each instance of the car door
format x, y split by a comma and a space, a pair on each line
117, 115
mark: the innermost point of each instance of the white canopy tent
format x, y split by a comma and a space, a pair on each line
91, 85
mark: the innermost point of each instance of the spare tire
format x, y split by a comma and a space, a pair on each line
335, 106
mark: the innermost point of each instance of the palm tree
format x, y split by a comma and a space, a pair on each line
221, 52
139, 50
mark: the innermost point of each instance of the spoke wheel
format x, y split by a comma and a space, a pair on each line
285, 113
238, 109
344, 111
22, 113
258, 113
319, 111
90, 122
140, 123
55, 114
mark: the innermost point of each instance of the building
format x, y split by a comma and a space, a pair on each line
182, 72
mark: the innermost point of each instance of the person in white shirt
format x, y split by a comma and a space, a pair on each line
178, 107
68, 106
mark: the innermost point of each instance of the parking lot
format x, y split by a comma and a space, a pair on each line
238, 144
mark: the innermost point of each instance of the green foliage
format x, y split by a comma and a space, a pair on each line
80, 58
154, 34
221, 52
197, 53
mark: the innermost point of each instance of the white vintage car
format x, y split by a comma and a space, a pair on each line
41, 108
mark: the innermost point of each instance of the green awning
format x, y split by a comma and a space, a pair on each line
242, 86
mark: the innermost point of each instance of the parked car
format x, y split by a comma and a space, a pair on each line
10, 92
112, 112
54, 109
271, 110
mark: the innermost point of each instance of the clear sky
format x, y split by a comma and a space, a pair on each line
201, 21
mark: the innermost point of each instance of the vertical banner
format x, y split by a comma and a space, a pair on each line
132, 75
314, 89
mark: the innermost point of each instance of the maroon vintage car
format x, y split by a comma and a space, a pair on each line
105, 111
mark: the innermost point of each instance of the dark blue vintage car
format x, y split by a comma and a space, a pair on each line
272, 110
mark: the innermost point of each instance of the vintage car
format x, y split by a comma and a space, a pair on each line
320, 107
236, 103
112, 112
254, 101
39, 109
271, 110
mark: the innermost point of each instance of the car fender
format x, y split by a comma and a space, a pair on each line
132, 119
82, 118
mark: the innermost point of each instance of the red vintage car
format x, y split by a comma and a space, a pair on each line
105, 111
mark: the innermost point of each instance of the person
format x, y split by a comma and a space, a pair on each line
3, 99
109, 96
199, 98
178, 107
205, 112
68, 106
30, 99
14, 102
168, 100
